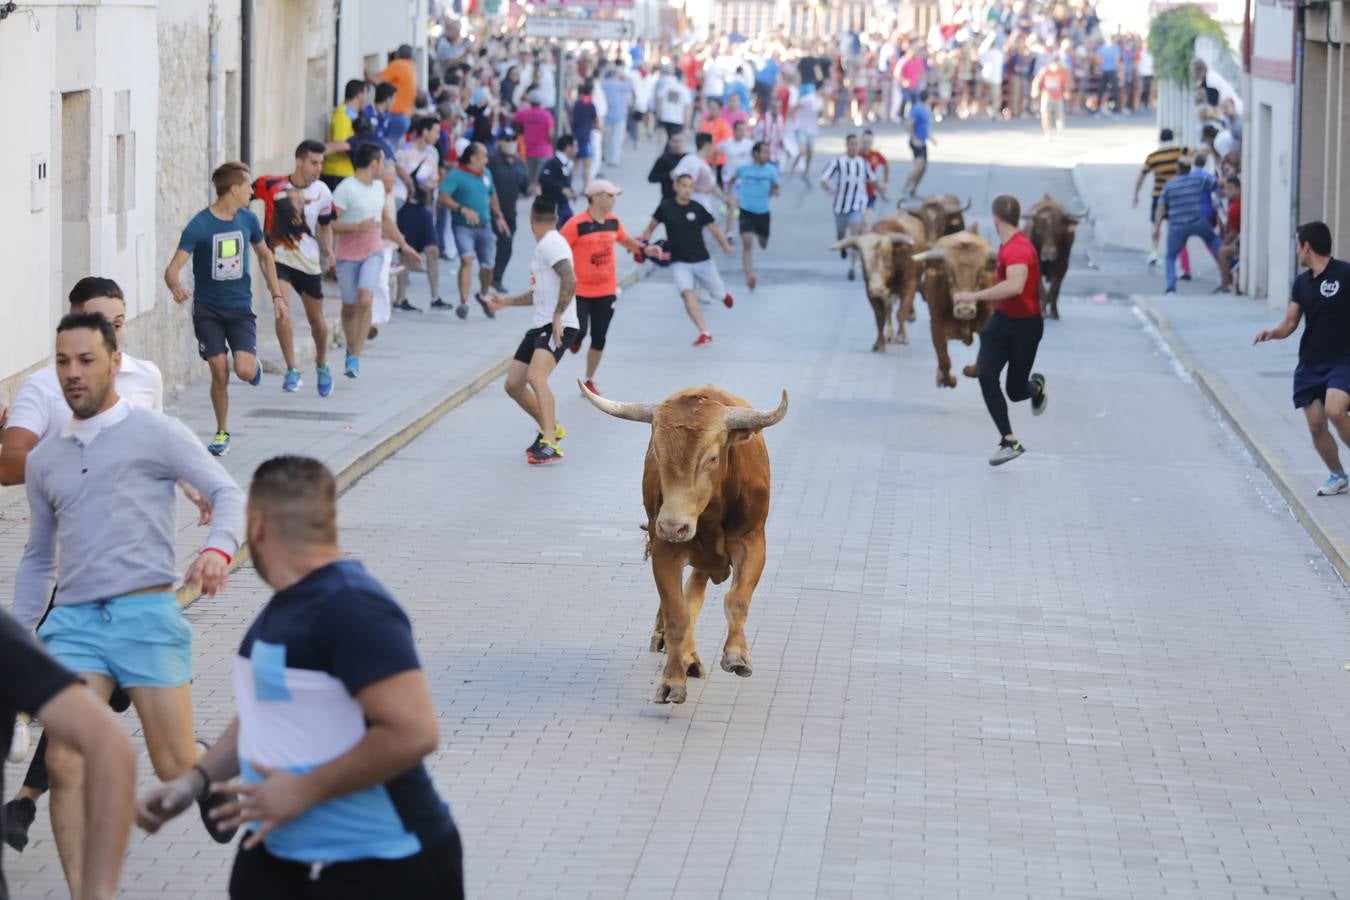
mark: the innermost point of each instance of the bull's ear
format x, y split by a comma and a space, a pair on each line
1072, 227
740, 435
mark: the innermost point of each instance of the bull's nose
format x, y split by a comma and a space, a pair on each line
675, 530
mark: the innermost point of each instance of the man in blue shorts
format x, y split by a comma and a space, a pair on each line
470, 195
333, 718
217, 241
1322, 377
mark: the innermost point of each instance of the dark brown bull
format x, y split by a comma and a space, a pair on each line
705, 486
956, 262
1051, 229
889, 273
941, 214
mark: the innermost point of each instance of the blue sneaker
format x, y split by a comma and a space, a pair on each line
291, 383
220, 444
353, 369
257, 376
1335, 484
325, 378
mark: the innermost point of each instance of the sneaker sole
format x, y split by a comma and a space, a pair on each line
543, 462
215, 452
1323, 492
1005, 460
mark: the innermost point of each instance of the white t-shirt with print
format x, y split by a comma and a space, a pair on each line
545, 283
318, 202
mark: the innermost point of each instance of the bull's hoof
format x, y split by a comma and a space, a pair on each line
913, 316
737, 662
696, 669
1054, 312
901, 339
670, 692
658, 642
945, 381
879, 347
971, 372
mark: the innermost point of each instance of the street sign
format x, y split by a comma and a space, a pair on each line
569, 29
583, 4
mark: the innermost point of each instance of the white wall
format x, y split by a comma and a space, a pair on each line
1268, 161
104, 50
376, 28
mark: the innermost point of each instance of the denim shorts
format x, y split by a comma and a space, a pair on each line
476, 242
359, 274
140, 640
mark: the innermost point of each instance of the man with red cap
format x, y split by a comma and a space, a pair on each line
592, 236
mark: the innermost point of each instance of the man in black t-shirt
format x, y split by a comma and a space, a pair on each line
667, 161
34, 683
684, 219
1322, 378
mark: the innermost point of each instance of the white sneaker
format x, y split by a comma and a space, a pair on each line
18, 744
1038, 404
1335, 484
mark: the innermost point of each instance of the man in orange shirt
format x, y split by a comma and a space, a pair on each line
401, 74
592, 236
721, 131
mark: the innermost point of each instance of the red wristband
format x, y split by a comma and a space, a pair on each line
228, 559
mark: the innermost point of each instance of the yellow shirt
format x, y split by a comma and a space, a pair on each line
339, 129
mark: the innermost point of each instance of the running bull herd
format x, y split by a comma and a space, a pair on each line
706, 479
926, 248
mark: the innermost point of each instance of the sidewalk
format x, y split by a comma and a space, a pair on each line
419, 368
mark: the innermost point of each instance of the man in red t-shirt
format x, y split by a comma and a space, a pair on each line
878, 164
1014, 331
1228, 253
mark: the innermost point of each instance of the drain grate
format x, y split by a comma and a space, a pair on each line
307, 415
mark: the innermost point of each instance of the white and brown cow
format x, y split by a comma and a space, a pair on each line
705, 487
957, 262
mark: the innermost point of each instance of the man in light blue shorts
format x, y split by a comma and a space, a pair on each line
471, 197
101, 500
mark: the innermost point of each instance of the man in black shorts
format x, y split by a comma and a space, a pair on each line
553, 284
1322, 378
920, 126
754, 184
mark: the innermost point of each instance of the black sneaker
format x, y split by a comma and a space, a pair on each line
487, 310
538, 439
1039, 398
851, 276
19, 815
406, 306
1007, 451
1185, 276
438, 303
843, 254
543, 453
462, 310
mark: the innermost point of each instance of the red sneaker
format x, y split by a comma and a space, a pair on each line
704, 338
750, 281
590, 386
728, 302
576, 347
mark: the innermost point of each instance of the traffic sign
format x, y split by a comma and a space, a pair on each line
569, 29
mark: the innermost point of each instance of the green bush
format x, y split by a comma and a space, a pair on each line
1171, 39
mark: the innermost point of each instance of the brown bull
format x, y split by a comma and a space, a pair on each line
941, 214
705, 487
1051, 229
889, 273
957, 262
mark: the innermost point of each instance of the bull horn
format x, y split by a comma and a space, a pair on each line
845, 243
1078, 214
934, 255
899, 237
952, 209
913, 208
633, 412
739, 418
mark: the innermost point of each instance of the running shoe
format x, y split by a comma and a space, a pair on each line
220, 444
576, 346
257, 375
704, 338
498, 287
852, 275
751, 281
1007, 451
487, 310
438, 303
1040, 399
324, 376
18, 742
590, 386
728, 301
843, 254
291, 383
18, 816
559, 433
1335, 484
1153, 259
353, 368
462, 310
373, 334
544, 452
406, 306
1185, 276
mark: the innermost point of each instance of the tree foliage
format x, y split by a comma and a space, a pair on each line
1171, 39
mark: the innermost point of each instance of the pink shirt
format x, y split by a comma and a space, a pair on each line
911, 71
536, 124
731, 117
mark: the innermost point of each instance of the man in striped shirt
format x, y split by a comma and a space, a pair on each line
846, 179
1183, 204
1163, 164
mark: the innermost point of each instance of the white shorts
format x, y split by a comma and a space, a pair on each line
705, 273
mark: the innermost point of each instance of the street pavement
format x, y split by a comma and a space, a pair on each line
1112, 668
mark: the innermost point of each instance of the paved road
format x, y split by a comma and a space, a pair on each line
1111, 668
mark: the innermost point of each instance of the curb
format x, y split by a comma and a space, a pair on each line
358, 468
1290, 488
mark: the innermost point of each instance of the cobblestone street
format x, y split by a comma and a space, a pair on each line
1112, 668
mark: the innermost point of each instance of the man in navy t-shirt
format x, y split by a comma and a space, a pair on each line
1322, 378
333, 719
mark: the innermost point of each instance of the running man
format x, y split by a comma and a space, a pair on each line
846, 178
216, 240
333, 718
805, 113
690, 264
1163, 163
592, 235
1322, 378
100, 496
1186, 205
920, 127
755, 184
1014, 331
880, 165
553, 284
1052, 84
32, 682
300, 265
469, 194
